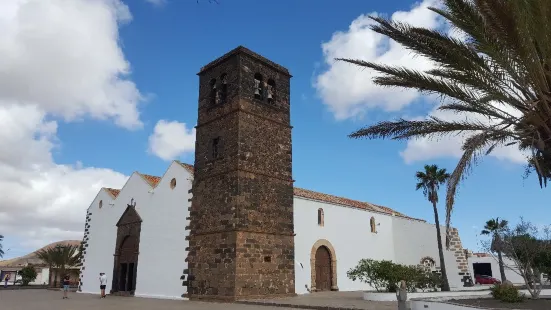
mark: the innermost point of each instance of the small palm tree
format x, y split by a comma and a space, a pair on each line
59, 257
429, 181
49, 257
1, 251
497, 78
495, 228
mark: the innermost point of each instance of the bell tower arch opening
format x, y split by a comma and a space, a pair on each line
241, 223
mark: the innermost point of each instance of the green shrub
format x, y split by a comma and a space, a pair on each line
507, 293
428, 281
28, 274
385, 275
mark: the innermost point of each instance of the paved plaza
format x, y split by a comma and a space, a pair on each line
40, 299
330, 300
46, 300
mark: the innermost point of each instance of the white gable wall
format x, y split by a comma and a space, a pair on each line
349, 232
162, 240
103, 236
97, 254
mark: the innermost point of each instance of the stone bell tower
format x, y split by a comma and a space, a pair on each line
241, 242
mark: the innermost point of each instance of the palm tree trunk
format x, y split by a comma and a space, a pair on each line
501, 267
445, 283
50, 276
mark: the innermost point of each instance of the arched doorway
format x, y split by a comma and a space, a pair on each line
323, 266
127, 252
323, 269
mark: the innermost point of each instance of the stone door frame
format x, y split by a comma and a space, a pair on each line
128, 226
333, 260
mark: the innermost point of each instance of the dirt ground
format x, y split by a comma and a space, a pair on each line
537, 304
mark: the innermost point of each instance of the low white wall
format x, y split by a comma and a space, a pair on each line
442, 305
414, 240
376, 296
423, 305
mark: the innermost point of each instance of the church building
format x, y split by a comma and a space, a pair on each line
232, 226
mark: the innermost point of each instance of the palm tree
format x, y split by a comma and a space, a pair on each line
497, 77
49, 256
495, 227
1, 251
430, 181
59, 257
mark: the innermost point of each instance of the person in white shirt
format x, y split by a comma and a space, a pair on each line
102, 283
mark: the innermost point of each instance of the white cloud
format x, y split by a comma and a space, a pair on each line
349, 92
58, 59
41, 201
65, 57
169, 140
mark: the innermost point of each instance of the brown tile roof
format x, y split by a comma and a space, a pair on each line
188, 167
308, 194
113, 192
151, 179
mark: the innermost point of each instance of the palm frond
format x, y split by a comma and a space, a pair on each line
403, 129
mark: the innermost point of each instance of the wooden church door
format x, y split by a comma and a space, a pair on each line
323, 269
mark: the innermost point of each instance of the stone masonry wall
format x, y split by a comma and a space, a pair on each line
241, 216
460, 256
85, 247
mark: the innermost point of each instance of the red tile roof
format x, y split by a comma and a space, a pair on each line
113, 192
151, 179
188, 167
308, 194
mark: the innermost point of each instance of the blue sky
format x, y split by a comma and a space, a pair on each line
166, 44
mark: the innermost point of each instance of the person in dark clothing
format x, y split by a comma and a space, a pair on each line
66, 284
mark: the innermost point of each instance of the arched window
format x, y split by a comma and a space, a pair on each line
224, 88
213, 92
173, 183
100, 204
258, 86
271, 91
373, 225
320, 217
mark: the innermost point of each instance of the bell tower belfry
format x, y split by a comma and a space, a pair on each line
241, 242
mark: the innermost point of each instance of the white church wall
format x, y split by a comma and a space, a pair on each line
103, 235
414, 240
348, 230
97, 253
162, 239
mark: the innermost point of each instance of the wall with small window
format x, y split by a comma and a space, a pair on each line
349, 232
163, 231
